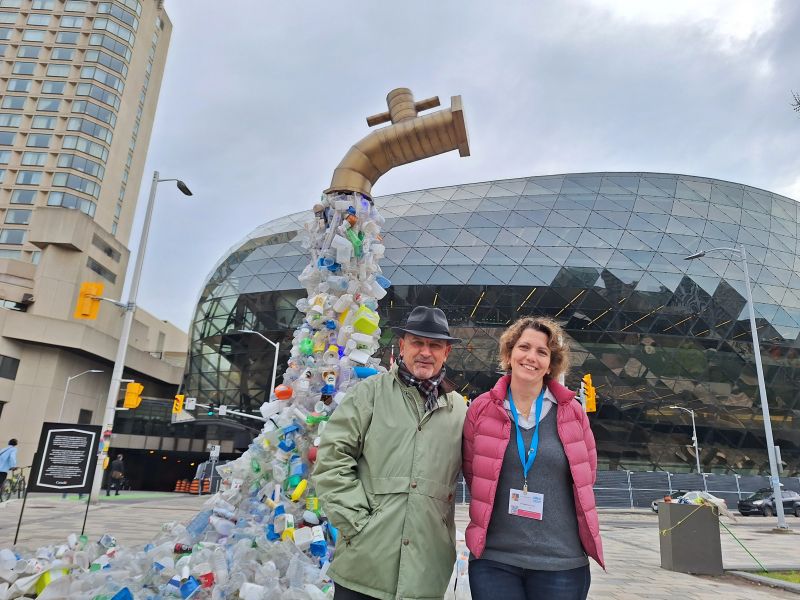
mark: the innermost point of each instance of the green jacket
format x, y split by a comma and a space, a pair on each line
386, 476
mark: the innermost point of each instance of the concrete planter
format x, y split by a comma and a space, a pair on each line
691, 543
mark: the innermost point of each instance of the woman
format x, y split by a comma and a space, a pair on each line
530, 463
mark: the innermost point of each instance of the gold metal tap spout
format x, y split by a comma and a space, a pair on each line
409, 138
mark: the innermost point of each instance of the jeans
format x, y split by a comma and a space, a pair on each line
343, 593
490, 580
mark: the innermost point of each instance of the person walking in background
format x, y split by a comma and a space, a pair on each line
8, 459
530, 463
386, 471
116, 476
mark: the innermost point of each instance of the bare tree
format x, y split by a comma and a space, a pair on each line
796, 101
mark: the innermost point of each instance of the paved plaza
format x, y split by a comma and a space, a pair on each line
630, 538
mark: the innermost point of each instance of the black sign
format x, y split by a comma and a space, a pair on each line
66, 458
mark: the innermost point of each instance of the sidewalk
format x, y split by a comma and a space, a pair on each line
630, 539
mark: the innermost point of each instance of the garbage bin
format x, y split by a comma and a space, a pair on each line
691, 543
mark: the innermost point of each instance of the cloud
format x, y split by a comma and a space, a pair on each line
261, 101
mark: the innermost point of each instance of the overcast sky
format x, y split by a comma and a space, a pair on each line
261, 100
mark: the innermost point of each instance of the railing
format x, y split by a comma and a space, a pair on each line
635, 489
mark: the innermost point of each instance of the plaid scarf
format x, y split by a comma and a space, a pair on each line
429, 388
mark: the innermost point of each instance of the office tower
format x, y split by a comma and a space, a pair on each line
79, 81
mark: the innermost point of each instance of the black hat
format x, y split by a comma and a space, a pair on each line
427, 322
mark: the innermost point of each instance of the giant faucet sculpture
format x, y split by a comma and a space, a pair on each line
264, 535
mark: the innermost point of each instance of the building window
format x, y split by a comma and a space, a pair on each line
43, 4
72, 161
88, 127
24, 68
101, 270
29, 177
42, 122
36, 255
107, 248
72, 142
48, 104
98, 93
34, 159
53, 87
74, 182
7, 138
10, 3
67, 37
12, 236
10, 120
29, 51
7, 18
71, 201
93, 110
39, 140
15, 255
75, 6
8, 367
5, 156
103, 77
19, 85
106, 8
23, 196
33, 35
109, 43
18, 216
2, 175
114, 228
115, 29
84, 417
70, 21
14, 102
5, 33
62, 54
57, 70
106, 60
3, 48
39, 20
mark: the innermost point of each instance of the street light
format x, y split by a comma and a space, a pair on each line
694, 437
66, 389
274, 364
122, 348
762, 389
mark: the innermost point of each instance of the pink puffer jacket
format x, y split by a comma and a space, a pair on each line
486, 434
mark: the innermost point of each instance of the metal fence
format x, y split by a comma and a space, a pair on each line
635, 489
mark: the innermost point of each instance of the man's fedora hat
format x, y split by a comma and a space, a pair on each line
427, 322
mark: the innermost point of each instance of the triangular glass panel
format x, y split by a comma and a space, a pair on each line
587, 182
693, 190
498, 217
395, 255
784, 209
783, 227
507, 238
658, 220
757, 200
496, 257
465, 238
618, 260
628, 183
419, 209
487, 234
439, 222
478, 189
645, 205
557, 253
620, 202
290, 282
444, 193
607, 220
688, 208
723, 195
527, 234
400, 224
768, 276
652, 186
269, 281
568, 218
467, 204
421, 221
409, 197
461, 272
776, 292
525, 277
712, 232
577, 258
709, 284
570, 234
766, 311
409, 238
542, 256
454, 257
756, 220
726, 214
415, 257
548, 238
515, 253
781, 243
590, 240
671, 281
478, 220
475, 253
746, 237
483, 277
533, 188
403, 277
462, 193
632, 242
437, 237
551, 182
637, 223
675, 225
487, 205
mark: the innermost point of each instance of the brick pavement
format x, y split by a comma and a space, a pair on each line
630, 539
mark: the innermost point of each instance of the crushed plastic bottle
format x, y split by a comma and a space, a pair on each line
264, 534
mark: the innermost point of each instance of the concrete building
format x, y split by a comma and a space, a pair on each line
79, 82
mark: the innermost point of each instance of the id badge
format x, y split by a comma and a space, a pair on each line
529, 505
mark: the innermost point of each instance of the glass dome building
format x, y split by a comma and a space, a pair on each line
603, 253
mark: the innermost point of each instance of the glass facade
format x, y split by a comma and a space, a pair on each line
603, 253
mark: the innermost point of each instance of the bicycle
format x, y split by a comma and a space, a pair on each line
14, 484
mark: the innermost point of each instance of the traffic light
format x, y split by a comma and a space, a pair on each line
88, 304
591, 394
133, 395
177, 404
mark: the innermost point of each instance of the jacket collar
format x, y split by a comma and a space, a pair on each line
445, 387
562, 394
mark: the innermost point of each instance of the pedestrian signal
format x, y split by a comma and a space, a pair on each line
133, 395
177, 404
88, 304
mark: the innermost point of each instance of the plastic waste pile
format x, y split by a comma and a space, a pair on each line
264, 534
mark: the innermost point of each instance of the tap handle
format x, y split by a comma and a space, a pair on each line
405, 109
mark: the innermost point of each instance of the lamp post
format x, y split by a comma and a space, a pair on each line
694, 437
762, 389
66, 389
274, 364
127, 322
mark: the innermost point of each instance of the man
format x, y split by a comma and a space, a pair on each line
116, 476
386, 471
8, 459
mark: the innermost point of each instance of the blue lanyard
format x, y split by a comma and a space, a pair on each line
527, 464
